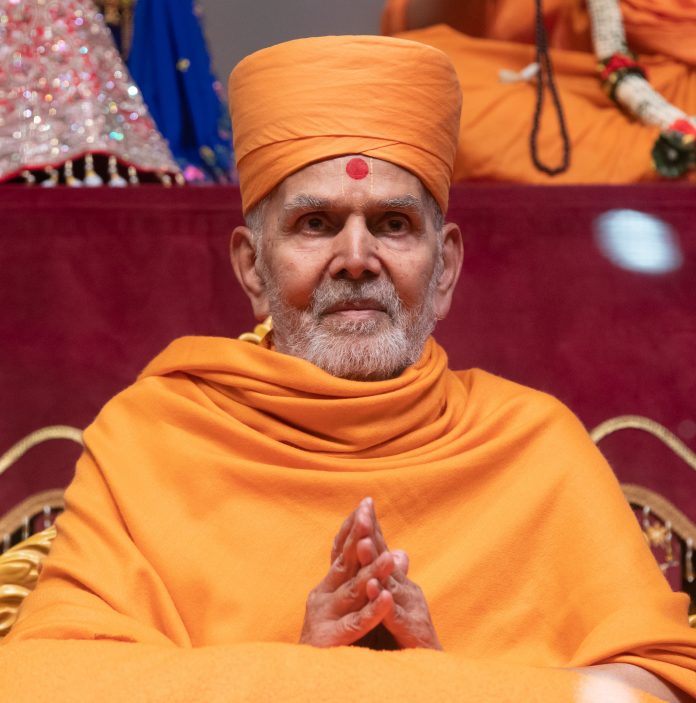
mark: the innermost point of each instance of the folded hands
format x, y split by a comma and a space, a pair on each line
366, 597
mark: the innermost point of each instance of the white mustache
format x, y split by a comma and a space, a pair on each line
339, 292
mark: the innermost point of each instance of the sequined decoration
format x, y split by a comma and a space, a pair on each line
65, 93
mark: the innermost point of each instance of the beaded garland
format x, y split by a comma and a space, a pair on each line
65, 94
614, 69
626, 82
674, 152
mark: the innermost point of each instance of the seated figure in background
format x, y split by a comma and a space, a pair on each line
334, 514
607, 144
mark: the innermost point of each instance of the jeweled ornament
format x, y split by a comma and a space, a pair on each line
67, 102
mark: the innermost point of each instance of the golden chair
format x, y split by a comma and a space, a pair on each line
39, 510
29, 527
670, 534
19, 570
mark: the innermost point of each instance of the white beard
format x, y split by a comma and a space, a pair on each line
362, 350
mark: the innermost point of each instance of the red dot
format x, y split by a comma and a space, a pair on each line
357, 168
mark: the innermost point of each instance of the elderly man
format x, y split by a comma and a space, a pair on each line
484, 544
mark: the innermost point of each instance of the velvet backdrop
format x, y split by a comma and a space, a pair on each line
95, 282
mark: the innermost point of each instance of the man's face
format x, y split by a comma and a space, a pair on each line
349, 263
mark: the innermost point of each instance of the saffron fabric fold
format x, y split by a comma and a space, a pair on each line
266, 672
608, 146
204, 508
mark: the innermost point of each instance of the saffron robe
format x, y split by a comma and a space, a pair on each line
204, 508
608, 146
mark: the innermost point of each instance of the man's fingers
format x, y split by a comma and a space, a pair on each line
351, 582
340, 538
400, 586
395, 620
344, 530
360, 524
357, 544
401, 561
357, 624
352, 594
409, 619
362, 527
336, 576
373, 588
366, 551
380, 542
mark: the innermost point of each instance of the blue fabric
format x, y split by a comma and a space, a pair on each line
183, 101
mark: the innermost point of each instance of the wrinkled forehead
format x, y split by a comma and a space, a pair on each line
352, 178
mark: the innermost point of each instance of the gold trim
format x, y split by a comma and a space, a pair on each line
19, 571
14, 519
260, 331
17, 451
661, 508
638, 422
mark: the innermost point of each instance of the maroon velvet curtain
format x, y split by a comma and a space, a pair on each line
94, 282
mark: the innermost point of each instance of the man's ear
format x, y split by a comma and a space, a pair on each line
243, 255
453, 256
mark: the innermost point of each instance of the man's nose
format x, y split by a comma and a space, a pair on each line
355, 251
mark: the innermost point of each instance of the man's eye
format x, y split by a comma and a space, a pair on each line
315, 223
395, 225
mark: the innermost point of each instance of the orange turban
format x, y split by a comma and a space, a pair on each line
307, 100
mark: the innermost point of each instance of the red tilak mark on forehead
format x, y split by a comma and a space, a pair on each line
357, 168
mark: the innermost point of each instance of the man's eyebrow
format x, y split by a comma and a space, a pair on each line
402, 202
306, 202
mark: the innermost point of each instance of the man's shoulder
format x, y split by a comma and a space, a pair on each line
172, 376
500, 402
198, 354
497, 391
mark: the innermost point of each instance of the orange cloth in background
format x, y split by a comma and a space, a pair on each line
665, 27
313, 99
607, 145
204, 509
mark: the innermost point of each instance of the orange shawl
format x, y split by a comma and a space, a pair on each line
204, 508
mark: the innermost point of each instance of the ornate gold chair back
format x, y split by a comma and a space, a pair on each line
26, 531
19, 570
670, 534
